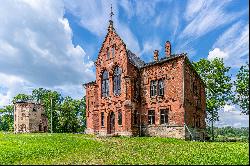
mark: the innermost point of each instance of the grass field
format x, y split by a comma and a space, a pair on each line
86, 149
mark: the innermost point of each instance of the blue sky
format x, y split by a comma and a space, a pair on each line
53, 44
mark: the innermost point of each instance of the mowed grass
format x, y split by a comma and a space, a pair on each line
86, 149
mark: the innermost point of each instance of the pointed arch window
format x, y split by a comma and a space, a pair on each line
105, 84
107, 53
113, 51
117, 80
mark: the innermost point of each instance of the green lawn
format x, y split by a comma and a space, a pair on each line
86, 149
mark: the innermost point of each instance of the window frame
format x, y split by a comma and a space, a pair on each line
160, 87
164, 113
151, 117
117, 81
113, 51
153, 88
105, 84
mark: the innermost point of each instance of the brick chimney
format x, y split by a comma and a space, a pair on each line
156, 55
168, 49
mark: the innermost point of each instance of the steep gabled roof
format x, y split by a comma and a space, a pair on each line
162, 60
135, 60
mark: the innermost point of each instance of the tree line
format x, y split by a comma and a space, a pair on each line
230, 133
68, 114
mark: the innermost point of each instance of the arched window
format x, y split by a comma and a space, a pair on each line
117, 80
113, 51
105, 83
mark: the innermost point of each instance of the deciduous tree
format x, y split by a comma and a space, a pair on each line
218, 86
241, 84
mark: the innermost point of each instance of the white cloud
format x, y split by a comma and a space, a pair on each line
207, 16
235, 43
228, 108
232, 116
217, 53
94, 16
36, 49
128, 37
149, 47
193, 7
145, 10
11, 84
128, 7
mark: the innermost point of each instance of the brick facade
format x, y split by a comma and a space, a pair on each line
175, 107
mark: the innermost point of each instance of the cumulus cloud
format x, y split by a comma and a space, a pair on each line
217, 53
36, 48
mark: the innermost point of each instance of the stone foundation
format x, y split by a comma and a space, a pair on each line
165, 131
198, 134
89, 131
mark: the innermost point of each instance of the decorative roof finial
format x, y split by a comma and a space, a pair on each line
111, 13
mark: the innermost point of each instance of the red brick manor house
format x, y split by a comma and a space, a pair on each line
165, 97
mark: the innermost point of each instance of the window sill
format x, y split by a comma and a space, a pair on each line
164, 125
117, 95
106, 97
109, 58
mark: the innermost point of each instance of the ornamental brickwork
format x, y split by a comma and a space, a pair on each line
165, 97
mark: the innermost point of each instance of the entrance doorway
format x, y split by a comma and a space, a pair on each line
111, 120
